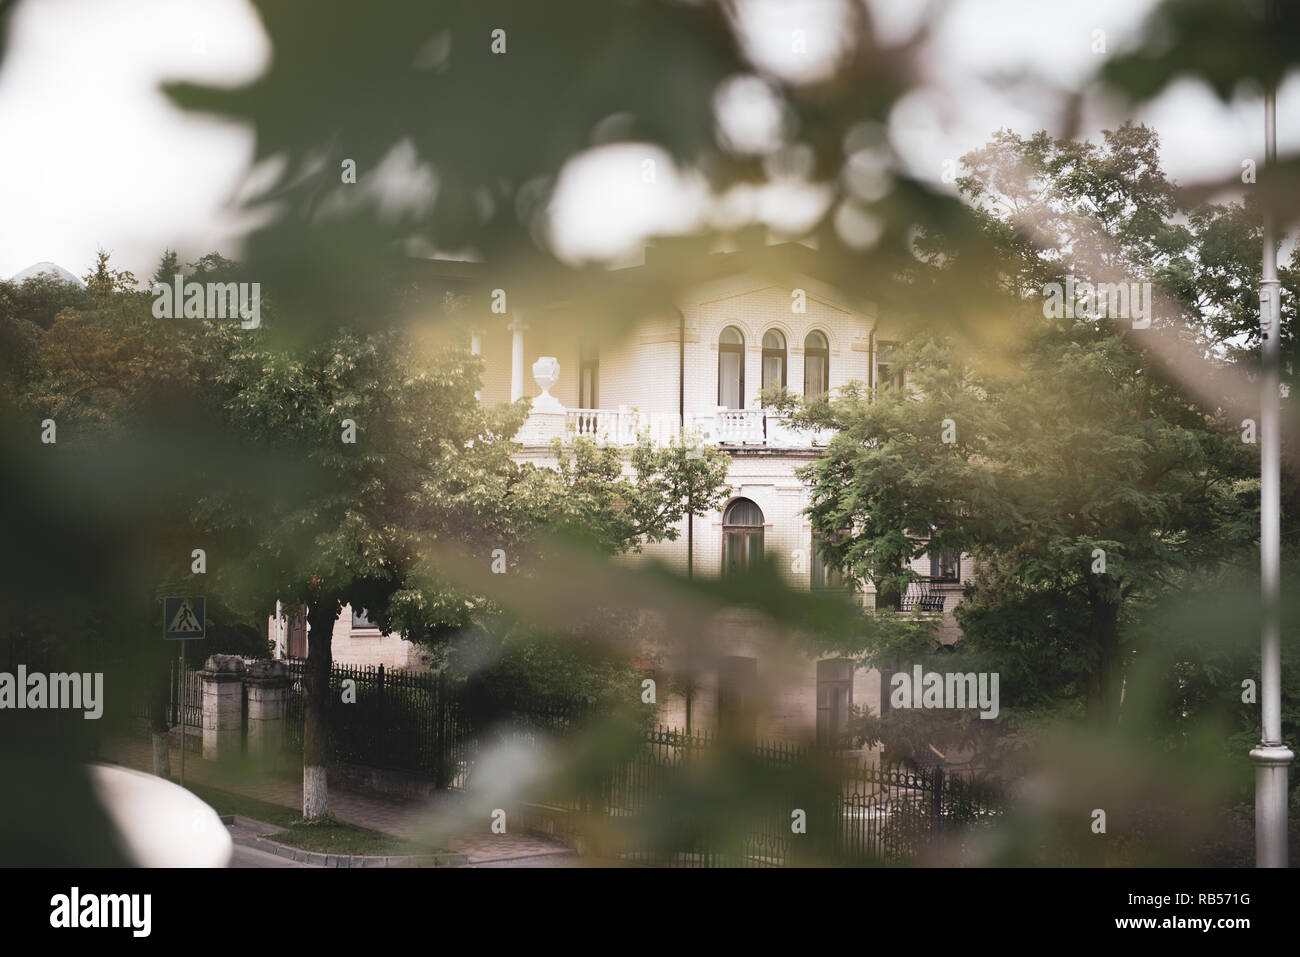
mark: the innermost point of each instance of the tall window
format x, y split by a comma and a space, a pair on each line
742, 537
588, 376
816, 364
737, 694
773, 359
944, 566
825, 574
731, 368
834, 701
888, 372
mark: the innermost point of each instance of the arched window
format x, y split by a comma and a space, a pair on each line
773, 359
816, 365
731, 368
742, 537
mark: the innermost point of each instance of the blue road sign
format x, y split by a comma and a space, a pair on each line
183, 617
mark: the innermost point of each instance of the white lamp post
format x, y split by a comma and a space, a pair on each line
1272, 757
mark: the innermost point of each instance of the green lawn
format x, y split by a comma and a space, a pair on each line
326, 836
227, 802
329, 836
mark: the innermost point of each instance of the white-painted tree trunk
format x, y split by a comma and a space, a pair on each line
315, 794
162, 764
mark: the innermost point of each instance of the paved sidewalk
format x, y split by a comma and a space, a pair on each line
404, 819
247, 854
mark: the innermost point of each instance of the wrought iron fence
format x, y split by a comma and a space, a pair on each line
654, 807
189, 682
416, 722
854, 813
185, 691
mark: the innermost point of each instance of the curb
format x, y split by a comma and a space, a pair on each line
567, 852
334, 860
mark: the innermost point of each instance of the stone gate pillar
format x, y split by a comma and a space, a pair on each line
223, 707
266, 683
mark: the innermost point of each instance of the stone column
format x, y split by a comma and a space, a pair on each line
794, 367
517, 327
223, 706
266, 683
753, 374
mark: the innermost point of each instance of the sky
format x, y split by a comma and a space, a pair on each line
92, 155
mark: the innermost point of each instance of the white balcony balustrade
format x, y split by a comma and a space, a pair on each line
728, 427
781, 434
626, 426
622, 426
741, 426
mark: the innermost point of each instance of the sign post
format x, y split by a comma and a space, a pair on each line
184, 617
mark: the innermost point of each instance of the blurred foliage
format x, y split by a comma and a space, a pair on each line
1070, 435
1227, 45
1236, 49
418, 85
460, 133
508, 670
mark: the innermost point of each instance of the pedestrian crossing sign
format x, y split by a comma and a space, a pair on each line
183, 617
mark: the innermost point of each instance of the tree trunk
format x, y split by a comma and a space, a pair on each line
162, 764
888, 598
315, 736
1103, 684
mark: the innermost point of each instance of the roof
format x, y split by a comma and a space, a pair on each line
670, 267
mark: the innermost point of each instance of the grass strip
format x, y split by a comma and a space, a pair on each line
325, 835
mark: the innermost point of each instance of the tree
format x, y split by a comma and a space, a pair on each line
415, 475
616, 501
1064, 457
1107, 212
136, 404
602, 500
1081, 482
26, 310
396, 472
400, 456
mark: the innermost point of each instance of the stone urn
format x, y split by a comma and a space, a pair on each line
546, 372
